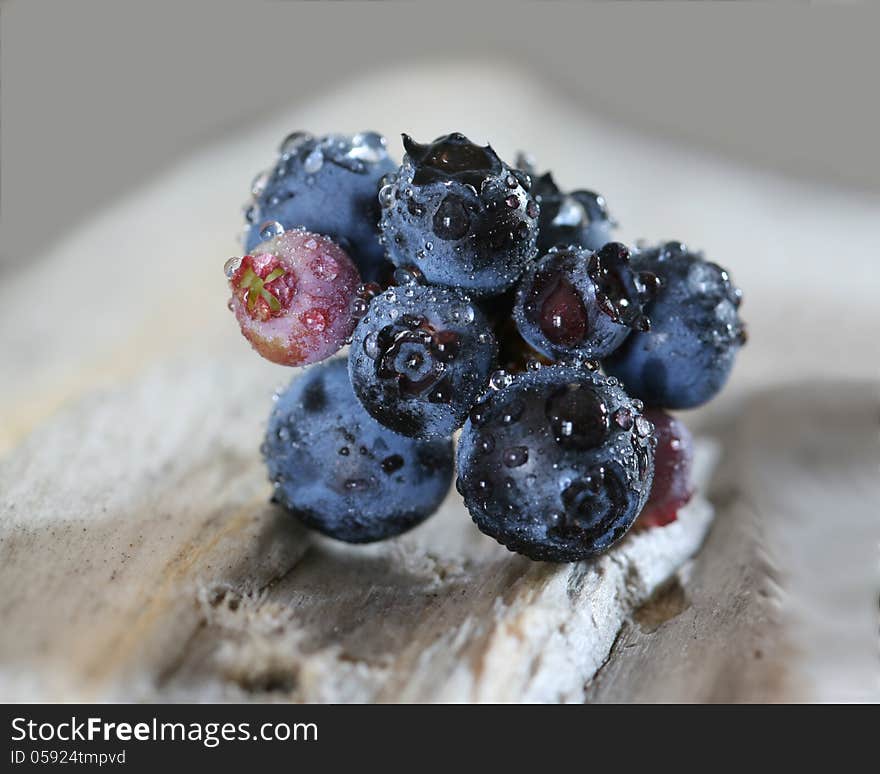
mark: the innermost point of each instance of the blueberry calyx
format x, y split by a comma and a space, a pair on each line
622, 293
452, 157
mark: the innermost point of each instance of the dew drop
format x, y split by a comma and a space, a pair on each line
386, 195
392, 464
231, 266
315, 320
325, 268
314, 161
451, 221
258, 184
293, 142
368, 147
405, 276
623, 418
515, 456
270, 229
371, 345
500, 379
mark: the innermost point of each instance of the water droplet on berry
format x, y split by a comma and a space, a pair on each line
258, 184
325, 268
372, 349
451, 221
563, 317
478, 415
512, 412
356, 484
315, 320
623, 418
293, 142
231, 266
643, 427
386, 195
392, 464
406, 276
515, 456
578, 417
314, 161
464, 314
368, 147
270, 229
500, 379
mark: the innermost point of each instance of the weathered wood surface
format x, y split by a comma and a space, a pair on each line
139, 558
150, 565
780, 604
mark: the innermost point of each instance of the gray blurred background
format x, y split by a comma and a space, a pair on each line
97, 96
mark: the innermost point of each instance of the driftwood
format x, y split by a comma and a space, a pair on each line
150, 565
141, 560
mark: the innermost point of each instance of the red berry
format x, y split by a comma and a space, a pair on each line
673, 459
292, 297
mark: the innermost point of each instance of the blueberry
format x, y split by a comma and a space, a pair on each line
557, 464
342, 473
326, 185
578, 218
673, 460
686, 356
574, 304
460, 214
420, 357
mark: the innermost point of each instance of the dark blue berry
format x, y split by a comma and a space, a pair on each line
578, 218
577, 304
420, 357
460, 214
557, 464
328, 186
342, 473
686, 356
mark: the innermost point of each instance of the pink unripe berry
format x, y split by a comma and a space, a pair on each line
292, 297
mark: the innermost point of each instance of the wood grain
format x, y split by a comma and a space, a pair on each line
141, 560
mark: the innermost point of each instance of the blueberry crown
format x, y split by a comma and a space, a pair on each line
452, 157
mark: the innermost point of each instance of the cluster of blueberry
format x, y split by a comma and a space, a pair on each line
479, 296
